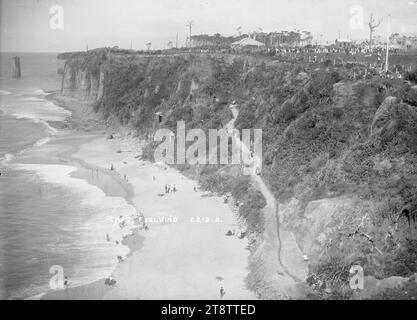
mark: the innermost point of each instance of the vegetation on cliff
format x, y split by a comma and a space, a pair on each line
325, 135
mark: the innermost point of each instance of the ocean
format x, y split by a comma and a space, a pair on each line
47, 218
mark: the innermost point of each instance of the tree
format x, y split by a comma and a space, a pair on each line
372, 27
239, 31
149, 45
190, 26
307, 37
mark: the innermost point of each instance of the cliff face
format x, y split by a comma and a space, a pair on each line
340, 160
79, 82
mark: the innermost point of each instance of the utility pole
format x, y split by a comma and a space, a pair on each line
190, 25
176, 41
387, 56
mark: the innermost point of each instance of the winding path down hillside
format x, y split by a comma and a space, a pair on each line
289, 264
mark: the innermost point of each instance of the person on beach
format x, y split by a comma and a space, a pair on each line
107, 238
195, 189
110, 281
153, 177
166, 188
111, 167
124, 177
66, 282
222, 292
174, 189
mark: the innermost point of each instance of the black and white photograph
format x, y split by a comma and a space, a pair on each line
208, 150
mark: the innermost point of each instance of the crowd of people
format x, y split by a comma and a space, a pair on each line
350, 50
170, 189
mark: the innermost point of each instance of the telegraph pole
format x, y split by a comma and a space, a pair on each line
176, 41
387, 56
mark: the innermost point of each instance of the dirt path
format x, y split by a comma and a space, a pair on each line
289, 254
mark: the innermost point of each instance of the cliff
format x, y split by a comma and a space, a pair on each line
83, 81
339, 151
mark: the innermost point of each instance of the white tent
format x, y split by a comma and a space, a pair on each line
247, 42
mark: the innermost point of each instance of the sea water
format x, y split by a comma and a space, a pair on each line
47, 217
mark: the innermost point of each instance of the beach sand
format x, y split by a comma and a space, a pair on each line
178, 260
177, 257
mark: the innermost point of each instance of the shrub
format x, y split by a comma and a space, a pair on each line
408, 95
411, 76
240, 187
407, 291
404, 262
251, 211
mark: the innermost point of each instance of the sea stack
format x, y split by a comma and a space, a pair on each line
16, 67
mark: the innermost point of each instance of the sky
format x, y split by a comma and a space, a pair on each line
38, 26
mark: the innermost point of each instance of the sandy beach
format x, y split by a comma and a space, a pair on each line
184, 253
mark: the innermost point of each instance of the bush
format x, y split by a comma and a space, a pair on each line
216, 182
240, 187
330, 279
408, 95
411, 76
251, 211
404, 262
407, 291
149, 150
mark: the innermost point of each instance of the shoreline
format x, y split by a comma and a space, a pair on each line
97, 289
110, 183
69, 141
